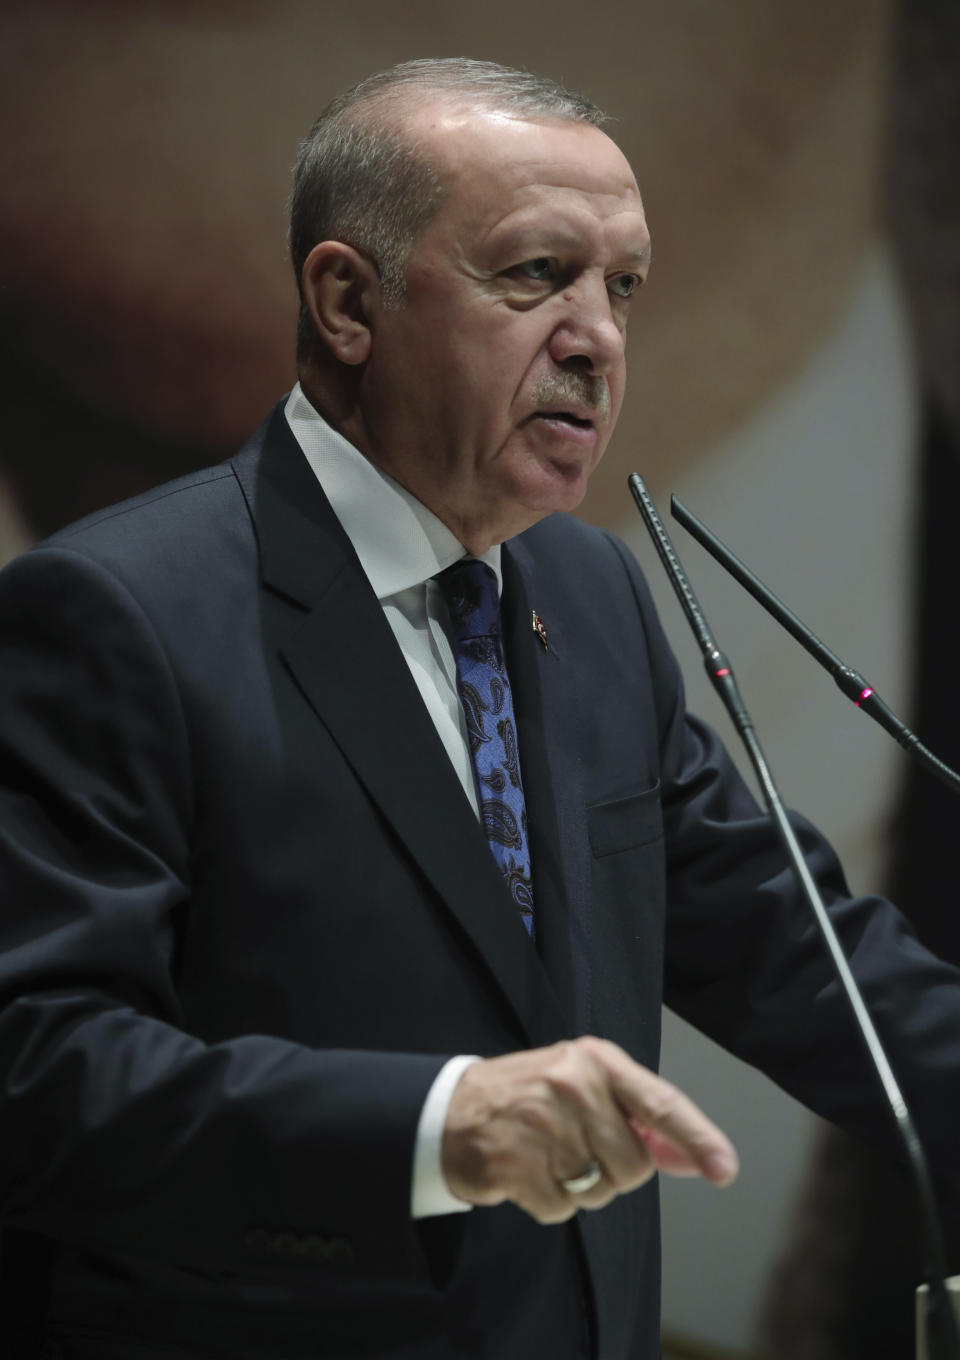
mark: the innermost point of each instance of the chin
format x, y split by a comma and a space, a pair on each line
558, 487
535, 489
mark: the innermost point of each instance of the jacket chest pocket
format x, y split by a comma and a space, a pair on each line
625, 823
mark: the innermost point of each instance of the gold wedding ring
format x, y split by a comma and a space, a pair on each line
579, 1185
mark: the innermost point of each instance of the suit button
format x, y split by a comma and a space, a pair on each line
311, 1248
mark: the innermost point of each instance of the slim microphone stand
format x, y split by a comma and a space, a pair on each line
943, 1337
850, 682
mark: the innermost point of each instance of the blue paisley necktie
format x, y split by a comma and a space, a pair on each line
470, 590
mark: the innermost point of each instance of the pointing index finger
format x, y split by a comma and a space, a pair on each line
678, 1135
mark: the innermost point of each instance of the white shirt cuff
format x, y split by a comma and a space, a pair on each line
429, 1194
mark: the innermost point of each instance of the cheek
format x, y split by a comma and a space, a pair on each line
617, 383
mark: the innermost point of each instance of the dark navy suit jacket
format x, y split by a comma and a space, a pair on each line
246, 913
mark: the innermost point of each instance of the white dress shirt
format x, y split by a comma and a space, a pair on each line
402, 546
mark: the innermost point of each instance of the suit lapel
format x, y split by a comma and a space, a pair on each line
545, 702
553, 788
345, 659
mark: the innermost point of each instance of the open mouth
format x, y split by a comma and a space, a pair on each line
566, 418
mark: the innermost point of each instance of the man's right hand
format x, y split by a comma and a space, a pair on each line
518, 1126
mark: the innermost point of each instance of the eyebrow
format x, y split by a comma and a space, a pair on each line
541, 239
639, 258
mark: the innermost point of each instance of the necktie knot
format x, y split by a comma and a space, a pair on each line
470, 590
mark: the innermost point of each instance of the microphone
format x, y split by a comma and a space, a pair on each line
850, 682
943, 1336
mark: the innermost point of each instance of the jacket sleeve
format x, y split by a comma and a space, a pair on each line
744, 960
118, 1128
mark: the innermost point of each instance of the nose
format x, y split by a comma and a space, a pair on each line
588, 334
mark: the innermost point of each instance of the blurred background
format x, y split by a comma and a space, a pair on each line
794, 378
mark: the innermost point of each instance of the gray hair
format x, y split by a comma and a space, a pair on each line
359, 178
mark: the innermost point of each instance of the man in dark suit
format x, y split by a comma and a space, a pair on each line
272, 1011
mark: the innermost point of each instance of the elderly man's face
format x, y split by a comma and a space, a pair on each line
492, 393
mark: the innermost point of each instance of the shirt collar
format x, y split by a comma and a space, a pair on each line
400, 543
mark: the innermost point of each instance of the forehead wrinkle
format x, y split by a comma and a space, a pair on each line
578, 230
474, 150
576, 183
564, 199
590, 178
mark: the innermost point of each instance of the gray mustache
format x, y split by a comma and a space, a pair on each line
582, 389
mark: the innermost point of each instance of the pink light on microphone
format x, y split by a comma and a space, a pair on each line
864, 694
725, 670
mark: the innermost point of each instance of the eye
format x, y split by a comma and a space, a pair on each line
541, 270
624, 285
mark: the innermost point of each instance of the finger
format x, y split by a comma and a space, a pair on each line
667, 1157
590, 1186
542, 1196
658, 1106
594, 1124
527, 1171
582, 1184
624, 1159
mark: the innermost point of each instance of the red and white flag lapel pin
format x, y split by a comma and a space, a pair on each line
538, 628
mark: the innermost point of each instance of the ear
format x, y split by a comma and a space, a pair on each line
337, 282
